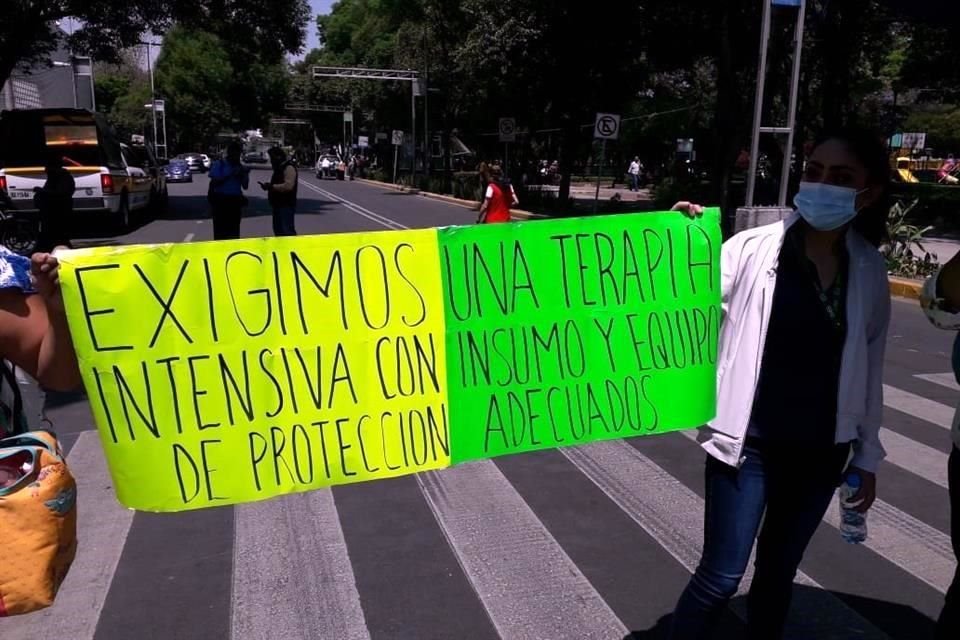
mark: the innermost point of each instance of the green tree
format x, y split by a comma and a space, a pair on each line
29, 32
122, 91
196, 78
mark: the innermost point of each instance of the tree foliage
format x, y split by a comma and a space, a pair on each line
29, 32
196, 79
122, 90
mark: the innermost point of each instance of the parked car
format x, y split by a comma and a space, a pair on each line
327, 166
143, 165
90, 151
178, 171
255, 157
193, 160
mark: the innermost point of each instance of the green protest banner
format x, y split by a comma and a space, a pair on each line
229, 372
577, 330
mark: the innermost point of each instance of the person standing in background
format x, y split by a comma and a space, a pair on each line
54, 200
228, 179
483, 173
282, 192
634, 171
498, 198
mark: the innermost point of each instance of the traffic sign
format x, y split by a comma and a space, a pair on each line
397, 137
363, 142
508, 130
607, 126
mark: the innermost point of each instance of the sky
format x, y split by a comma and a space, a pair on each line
318, 6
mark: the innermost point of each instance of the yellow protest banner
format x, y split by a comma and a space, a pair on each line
235, 371
228, 372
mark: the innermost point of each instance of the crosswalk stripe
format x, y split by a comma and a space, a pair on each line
912, 545
292, 576
528, 584
671, 513
102, 528
947, 380
915, 457
918, 406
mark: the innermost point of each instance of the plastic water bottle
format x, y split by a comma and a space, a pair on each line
853, 525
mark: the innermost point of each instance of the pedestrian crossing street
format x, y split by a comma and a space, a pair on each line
588, 542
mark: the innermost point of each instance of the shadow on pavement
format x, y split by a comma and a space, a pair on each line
898, 621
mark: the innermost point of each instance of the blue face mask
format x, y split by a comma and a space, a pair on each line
825, 206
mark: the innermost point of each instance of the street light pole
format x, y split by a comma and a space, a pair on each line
153, 98
426, 91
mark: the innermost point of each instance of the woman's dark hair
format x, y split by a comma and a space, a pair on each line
871, 151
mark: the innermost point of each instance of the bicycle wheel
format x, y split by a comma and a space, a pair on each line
19, 236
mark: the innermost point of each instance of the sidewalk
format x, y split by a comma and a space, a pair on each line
587, 191
944, 248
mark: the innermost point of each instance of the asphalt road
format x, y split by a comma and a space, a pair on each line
588, 542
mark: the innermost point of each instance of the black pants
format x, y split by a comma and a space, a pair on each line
948, 627
283, 221
53, 229
226, 212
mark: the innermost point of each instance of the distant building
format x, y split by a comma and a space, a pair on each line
64, 81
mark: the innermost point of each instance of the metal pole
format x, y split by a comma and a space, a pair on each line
426, 132
73, 74
166, 152
758, 103
792, 113
153, 99
413, 130
426, 91
603, 152
396, 150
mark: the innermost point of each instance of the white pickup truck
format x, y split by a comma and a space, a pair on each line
105, 185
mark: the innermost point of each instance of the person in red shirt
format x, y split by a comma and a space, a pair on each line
498, 199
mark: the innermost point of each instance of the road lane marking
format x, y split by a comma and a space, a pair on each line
526, 581
356, 208
918, 406
292, 576
189, 237
915, 457
947, 380
919, 549
672, 514
102, 529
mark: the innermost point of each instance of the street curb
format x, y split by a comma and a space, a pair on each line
905, 287
467, 204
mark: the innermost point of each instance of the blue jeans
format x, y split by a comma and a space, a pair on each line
634, 182
794, 489
283, 221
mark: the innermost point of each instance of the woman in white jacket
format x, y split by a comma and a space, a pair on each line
799, 391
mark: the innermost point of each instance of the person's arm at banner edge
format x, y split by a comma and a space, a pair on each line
729, 254
33, 329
